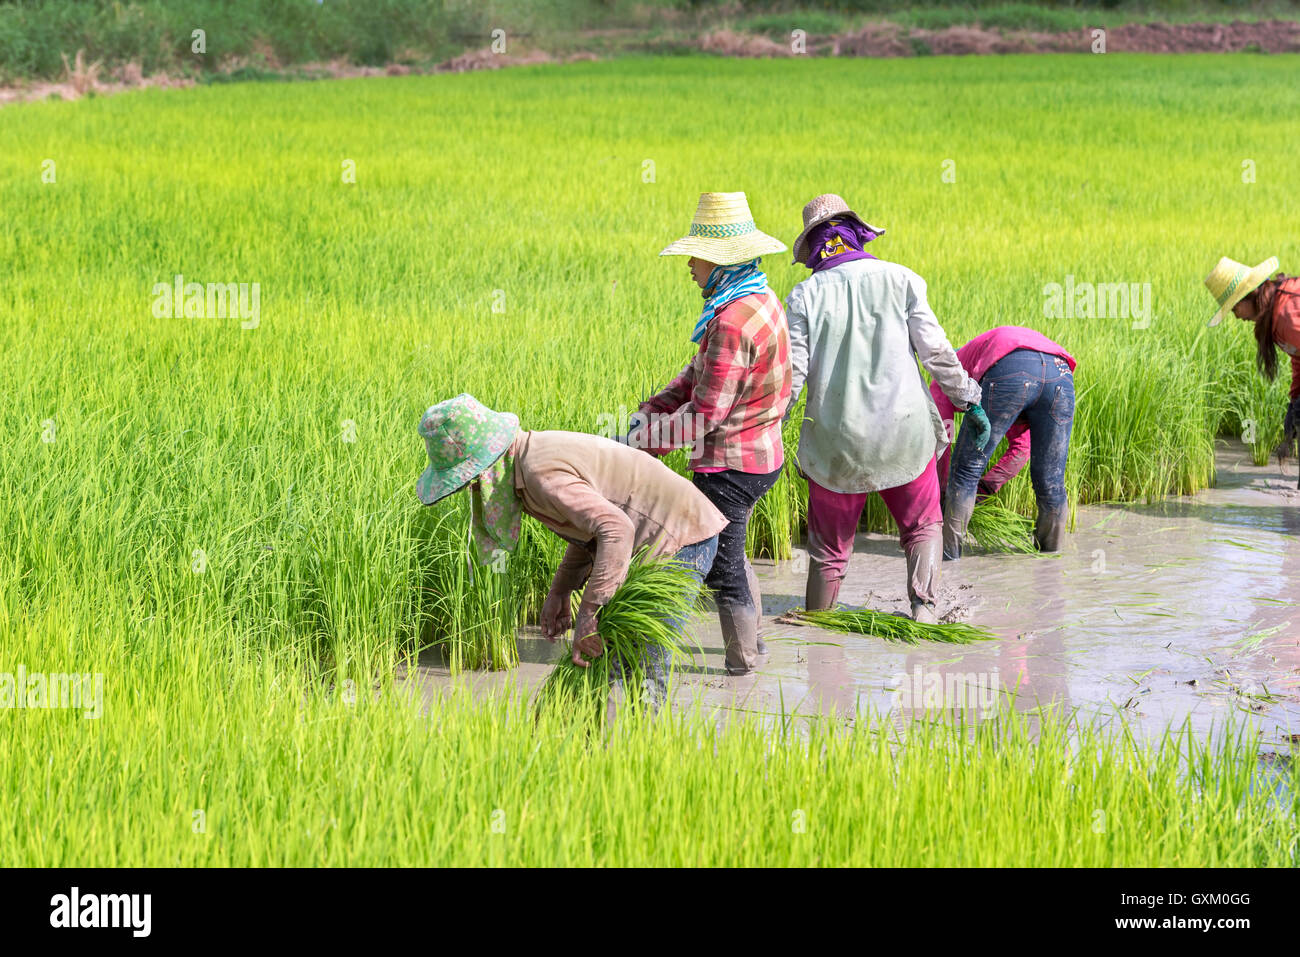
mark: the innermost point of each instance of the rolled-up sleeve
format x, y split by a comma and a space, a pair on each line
933, 349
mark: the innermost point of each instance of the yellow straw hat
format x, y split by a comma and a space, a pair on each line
1231, 281
723, 232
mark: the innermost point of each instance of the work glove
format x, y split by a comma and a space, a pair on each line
979, 421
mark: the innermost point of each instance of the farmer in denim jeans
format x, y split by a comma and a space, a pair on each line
1027, 383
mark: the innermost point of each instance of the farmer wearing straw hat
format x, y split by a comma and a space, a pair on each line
605, 499
726, 405
858, 325
1273, 305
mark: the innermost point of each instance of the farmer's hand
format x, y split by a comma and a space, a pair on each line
1291, 423
557, 618
979, 421
638, 431
586, 639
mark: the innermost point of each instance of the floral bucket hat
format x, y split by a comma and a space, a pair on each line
463, 438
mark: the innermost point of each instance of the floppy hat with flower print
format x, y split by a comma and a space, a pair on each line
462, 437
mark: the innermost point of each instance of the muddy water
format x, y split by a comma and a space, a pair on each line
1184, 610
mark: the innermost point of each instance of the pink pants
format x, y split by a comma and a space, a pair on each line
833, 518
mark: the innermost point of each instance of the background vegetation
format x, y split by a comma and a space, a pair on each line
222, 520
36, 35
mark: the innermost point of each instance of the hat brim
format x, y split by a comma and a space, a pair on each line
800, 249
725, 251
1248, 285
434, 484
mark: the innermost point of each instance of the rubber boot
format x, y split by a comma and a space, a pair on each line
756, 596
923, 560
820, 592
1048, 530
740, 635
955, 521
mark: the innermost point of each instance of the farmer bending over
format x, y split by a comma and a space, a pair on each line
857, 327
726, 405
605, 499
1028, 386
1273, 305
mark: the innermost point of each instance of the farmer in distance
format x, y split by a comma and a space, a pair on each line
1273, 305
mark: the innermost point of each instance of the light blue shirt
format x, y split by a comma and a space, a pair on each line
856, 333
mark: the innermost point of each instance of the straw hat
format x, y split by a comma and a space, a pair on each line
723, 232
1231, 281
819, 210
463, 437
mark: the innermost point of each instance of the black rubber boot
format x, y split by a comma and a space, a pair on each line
740, 635
1049, 529
820, 592
955, 521
923, 560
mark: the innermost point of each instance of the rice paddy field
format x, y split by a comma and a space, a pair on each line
217, 514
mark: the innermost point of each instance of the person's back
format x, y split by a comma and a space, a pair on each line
858, 326
861, 373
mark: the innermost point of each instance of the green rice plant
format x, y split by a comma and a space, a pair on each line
897, 628
647, 612
184, 512
779, 514
996, 528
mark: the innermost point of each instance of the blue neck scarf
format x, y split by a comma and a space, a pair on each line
727, 284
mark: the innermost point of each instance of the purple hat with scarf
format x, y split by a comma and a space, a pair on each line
822, 209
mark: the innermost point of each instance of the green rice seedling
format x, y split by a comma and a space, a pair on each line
879, 624
184, 513
646, 612
996, 528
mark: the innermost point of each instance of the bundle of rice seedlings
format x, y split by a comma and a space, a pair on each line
640, 616
996, 528
898, 628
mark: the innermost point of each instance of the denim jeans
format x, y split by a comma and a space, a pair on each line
655, 663
734, 494
1039, 388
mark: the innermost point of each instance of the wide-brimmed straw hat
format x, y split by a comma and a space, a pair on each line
463, 437
825, 207
723, 232
1230, 282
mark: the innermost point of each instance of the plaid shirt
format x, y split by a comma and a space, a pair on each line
731, 397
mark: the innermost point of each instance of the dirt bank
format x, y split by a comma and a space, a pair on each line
893, 40
873, 40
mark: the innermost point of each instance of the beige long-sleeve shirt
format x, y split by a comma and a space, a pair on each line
607, 501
